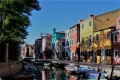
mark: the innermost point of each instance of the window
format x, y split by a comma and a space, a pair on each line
115, 53
75, 41
72, 42
90, 23
115, 37
82, 26
108, 35
97, 37
82, 40
89, 40
108, 52
70, 30
68, 33
119, 22
98, 52
63, 43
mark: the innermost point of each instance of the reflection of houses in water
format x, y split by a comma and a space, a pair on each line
46, 74
27, 51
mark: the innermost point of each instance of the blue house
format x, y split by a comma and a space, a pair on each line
67, 42
55, 36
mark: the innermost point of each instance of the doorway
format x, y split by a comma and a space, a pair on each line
103, 57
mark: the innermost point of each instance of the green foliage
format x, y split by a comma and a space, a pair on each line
14, 21
15, 18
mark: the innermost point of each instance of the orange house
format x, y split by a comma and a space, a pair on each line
74, 38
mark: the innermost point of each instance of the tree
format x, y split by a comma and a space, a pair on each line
14, 20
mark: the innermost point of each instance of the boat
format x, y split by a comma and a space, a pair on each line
24, 75
46, 64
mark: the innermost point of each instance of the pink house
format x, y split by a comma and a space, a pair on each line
116, 43
47, 46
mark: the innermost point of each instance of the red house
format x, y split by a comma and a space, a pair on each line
116, 43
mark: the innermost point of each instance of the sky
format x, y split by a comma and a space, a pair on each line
62, 14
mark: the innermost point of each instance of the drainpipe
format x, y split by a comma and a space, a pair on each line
112, 46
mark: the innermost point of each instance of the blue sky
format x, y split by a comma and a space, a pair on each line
63, 14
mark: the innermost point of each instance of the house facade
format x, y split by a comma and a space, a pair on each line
67, 42
116, 43
56, 36
60, 48
27, 51
86, 39
47, 45
103, 25
74, 38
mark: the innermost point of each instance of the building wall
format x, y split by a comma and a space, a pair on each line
67, 37
85, 32
56, 36
102, 43
106, 19
73, 40
46, 42
59, 47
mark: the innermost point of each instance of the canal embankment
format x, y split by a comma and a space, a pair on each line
9, 68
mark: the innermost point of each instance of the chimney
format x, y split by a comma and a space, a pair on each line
80, 21
91, 15
54, 30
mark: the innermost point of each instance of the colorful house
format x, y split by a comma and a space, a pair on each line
38, 47
67, 42
74, 38
60, 48
27, 51
55, 36
103, 25
86, 39
116, 43
47, 46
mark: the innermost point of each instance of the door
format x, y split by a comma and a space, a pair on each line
103, 56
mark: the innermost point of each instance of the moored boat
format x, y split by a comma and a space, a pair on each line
24, 75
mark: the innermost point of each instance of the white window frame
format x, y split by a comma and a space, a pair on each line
114, 37
82, 26
107, 35
96, 37
114, 53
90, 22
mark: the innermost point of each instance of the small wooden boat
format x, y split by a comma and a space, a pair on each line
24, 75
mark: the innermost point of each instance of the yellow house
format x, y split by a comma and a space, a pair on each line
88, 30
103, 44
104, 24
86, 38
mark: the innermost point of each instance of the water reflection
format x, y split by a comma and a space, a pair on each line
50, 73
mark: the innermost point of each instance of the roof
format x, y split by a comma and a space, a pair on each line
63, 38
61, 32
101, 14
73, 26
109, 27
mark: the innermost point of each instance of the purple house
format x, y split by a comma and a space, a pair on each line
38, 47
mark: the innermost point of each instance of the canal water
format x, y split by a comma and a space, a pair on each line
54, 73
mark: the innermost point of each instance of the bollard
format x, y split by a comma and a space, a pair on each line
111, 73
99, 76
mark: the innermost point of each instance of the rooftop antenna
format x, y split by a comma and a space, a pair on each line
88, 10
41, 35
